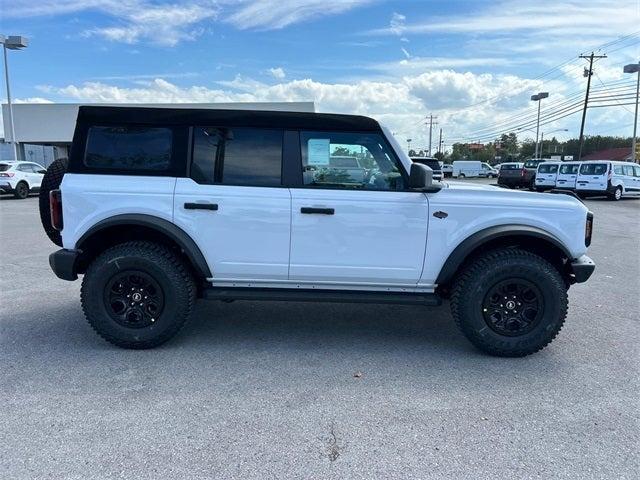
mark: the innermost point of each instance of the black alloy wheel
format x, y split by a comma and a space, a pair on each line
133, 299
513, 307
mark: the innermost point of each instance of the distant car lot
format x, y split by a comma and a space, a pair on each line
252, 390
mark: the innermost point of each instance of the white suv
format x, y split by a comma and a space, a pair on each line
158, 207
20, 178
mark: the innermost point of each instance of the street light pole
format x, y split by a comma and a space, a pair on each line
11, 43
538, 98
635, 68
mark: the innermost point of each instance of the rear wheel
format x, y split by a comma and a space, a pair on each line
137, 294
616, 195
509, 303
462, 175
21, 191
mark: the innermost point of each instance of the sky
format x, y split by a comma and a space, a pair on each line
472, 64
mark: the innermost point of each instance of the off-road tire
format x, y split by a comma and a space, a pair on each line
51, 181
158, 262
473, 283
22, 190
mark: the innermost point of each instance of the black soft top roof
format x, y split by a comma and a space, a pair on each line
98, 115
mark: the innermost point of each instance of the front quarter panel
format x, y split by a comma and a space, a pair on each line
472, 210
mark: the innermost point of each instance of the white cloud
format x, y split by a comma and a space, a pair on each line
166, 24
277, 73
397, 22
274, 14
523, 15
401, 103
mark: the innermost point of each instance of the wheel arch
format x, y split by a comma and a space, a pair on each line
127, 227
530, 238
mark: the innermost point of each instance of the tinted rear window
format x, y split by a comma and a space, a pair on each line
548, 168
569, 169
432, 164
512, 166
4, 167
237, 156
129, 148
532, 163
593, 168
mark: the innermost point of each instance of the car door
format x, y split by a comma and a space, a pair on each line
628, 179
636, 175
353, 233
233, 203
37, 175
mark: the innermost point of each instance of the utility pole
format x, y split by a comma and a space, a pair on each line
440, 142
431, 124
587, 73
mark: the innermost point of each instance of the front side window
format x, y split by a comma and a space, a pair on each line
355, 161
569, 169
237, 156
617, 169
593, 169
129, 148
548, 168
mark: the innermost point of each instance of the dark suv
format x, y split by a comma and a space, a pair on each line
432, 163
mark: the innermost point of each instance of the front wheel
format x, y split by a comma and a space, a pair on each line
137, 294
21, 191
509, 302
461, 175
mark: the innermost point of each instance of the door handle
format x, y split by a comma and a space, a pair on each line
319, 211
200, 206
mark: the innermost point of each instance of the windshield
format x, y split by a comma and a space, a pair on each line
510, 166
593, 169
569, 169
551, 168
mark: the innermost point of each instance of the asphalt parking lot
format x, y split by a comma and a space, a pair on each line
304, 390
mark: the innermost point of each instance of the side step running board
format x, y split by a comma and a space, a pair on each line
318, 295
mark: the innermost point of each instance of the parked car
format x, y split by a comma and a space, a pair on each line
160, 206
488, 171
20, 178
432, 163
546, 176
529, 172
613, 179
473, 168
447, 170
567, 175
511, 174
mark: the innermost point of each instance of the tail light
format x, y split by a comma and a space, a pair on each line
588, 229
7, 174
55, 208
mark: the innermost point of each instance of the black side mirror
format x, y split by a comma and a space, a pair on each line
420, 177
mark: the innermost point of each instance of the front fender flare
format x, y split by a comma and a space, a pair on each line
462, 251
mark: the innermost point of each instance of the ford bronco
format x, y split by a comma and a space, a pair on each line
157, 207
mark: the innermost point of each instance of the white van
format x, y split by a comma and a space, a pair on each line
567, 174
546, 175
604, 177
473, 168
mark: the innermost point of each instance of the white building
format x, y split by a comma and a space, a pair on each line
44, 131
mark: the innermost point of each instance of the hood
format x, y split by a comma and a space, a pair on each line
494, 195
